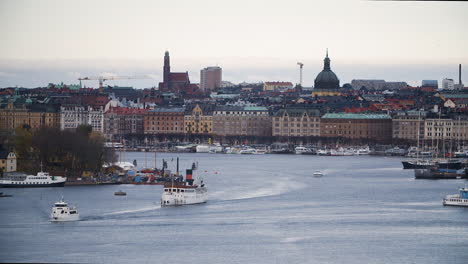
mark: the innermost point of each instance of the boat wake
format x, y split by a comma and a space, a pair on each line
120, 213
276, 188
145, 209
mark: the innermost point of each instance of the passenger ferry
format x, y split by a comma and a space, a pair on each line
185, 192
61, 212
457, 199
42, 179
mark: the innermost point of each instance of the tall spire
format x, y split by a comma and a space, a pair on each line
326, 64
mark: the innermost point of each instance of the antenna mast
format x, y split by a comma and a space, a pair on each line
300, 72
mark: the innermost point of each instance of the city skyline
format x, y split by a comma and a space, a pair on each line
56, 41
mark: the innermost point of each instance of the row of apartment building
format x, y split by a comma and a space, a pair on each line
115, 122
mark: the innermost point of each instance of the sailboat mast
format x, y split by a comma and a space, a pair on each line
419, 127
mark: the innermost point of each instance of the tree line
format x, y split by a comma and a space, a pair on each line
67, 152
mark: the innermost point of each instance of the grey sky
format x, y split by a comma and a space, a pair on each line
251, 40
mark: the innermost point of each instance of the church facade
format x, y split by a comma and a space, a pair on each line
175, 82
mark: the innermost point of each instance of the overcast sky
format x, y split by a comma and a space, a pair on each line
255, 40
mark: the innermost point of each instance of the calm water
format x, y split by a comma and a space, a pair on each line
262, 209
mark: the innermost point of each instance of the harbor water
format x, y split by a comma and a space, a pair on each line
261, 209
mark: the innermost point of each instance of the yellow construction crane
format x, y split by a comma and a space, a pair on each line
102, 79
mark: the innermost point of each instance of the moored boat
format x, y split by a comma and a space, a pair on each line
439, 174
42, 179
301, 150
460, 199
417, 164
248, 151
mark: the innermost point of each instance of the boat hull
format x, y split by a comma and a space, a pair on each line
175, 199
65, 219
413, 165
11, 185
455, 203
437, 175
450, 165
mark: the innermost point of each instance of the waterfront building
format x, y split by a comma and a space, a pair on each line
72, 116
296, 122
446, 129
326, 83
277, 86
357, 126
241, 121
84, 110
198, 121
7, 161
95, 118
210, 78
121, 121
164, 120
448, 84
32, 115
405, 125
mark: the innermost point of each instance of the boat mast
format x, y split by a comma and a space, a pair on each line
437, 139
419, 127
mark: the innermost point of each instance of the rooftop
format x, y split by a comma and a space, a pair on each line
168, 110
355, 116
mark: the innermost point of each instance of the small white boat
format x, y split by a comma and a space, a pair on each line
318, 174
248, 151
457, 199
61, 212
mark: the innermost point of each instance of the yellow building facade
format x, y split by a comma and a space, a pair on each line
198, 122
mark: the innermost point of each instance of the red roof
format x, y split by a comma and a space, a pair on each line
356, 109
95, 100
179, 77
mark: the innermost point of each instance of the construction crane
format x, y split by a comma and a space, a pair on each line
300, 72
102, 79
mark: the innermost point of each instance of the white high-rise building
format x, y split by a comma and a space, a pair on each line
448, 84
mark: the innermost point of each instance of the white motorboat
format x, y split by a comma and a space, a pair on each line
318, 174
301, 150
42, 179
213, 148
260, 151
61, 212
362, 151
460, 199
248, 151
185, 192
